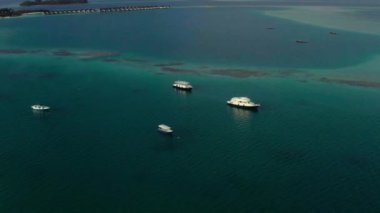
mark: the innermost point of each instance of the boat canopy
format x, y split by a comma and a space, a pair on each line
163, 126
181, 82
244, 99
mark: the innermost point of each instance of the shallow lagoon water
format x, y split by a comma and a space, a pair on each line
312, 147
356, 19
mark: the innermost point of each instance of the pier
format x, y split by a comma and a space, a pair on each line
6, 12
104, 10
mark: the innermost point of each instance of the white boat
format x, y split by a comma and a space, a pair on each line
165, 129
243, 102
183, 85
38, 107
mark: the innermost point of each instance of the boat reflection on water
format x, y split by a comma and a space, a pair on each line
41, 114
241, 114
183, 92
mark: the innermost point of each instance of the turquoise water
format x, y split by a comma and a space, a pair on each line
228, 36
312, 147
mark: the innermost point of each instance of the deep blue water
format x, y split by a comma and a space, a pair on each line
312, 147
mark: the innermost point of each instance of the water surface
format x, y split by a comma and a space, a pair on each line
312, 147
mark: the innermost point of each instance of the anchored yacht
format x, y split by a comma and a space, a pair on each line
165, 129
38, 107
302, 42
183, 85
242, 102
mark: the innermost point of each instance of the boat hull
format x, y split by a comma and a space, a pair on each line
184, 89
244, 107
165, 132
43, 108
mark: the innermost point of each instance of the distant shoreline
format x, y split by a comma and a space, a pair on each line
8, 12
52, 2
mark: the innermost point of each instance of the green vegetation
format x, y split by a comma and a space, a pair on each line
52, 2
5, 12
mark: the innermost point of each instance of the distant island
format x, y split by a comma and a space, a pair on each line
52, 2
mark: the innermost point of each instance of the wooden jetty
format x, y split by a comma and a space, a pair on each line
105, 10
7, 12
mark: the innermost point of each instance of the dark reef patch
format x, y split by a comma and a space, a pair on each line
134, 60
287, 73
85, 55
360, 83
243, 73
97, 54
12, 51
239, 73
179, 70
63, 53
37, 51
235, 73
172, 64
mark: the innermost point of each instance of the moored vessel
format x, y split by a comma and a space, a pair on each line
39, 107
165, 129
302, 42
182, 85
243, 102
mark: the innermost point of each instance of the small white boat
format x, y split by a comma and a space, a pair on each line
165, 129
183, 85
38, 107
242, 102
